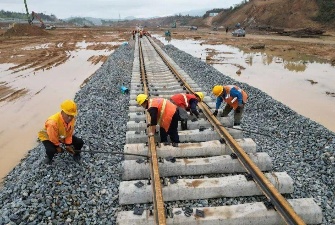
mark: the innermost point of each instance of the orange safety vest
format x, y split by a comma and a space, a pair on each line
166, 110
60, 131
231, 100
182, 100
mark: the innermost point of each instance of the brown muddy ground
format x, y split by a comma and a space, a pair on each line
288, 48
30, 47
39, 69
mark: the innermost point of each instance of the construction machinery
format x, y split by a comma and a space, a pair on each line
33, 15
239, 32
50, 27
30, 21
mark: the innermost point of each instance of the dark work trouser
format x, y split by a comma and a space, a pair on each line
237, 116
51, 150
173, 130
183, 115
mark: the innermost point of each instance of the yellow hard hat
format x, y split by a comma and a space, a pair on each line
141, 98
217, 90
69, 107
201, 95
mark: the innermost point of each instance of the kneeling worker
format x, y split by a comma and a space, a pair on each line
165, 114
187, 102
235, 98
58, 129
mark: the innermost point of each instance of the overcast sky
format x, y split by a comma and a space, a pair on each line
109, 9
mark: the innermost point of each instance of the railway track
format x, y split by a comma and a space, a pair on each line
214, 160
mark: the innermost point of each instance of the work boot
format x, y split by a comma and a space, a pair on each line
222, 114
175, 144
184, 124
237, 125
47, 160
77, 158
166, 143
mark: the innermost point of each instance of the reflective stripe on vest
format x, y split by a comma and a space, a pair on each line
160, 116
229, 87
185, 98
233, 101
63, 130
162, 111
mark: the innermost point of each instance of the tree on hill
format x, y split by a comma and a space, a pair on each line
326, 11
80, 21
17, 15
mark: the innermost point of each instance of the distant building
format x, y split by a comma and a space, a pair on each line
213, 14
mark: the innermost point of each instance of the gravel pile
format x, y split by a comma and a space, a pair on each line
69, 193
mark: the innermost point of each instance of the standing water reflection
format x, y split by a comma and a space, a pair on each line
307, 86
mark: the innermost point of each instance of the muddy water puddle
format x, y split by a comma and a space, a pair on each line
307, 87
24, 115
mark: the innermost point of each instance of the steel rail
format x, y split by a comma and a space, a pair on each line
159, 211
278, 201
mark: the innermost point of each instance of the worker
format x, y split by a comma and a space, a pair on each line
58, 131
146, 33
134, 32
235, 98
189, 103
165, 114
167, 33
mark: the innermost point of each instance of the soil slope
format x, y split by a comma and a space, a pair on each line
276, 13
25, 30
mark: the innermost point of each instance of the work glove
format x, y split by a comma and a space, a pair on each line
215, 113
200, 110
59, 149
70, 149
